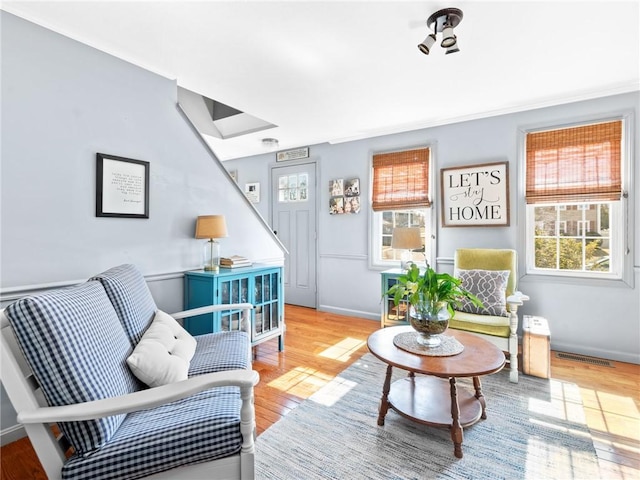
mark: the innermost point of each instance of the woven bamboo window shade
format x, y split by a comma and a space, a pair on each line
401, 180
577, 164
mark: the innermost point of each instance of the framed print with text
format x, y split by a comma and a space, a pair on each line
122, 187
475, 195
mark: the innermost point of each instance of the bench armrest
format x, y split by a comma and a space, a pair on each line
245, 307
141, 400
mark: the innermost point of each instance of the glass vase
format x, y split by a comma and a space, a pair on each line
430, 319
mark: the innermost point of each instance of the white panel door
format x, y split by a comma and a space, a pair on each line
293, 217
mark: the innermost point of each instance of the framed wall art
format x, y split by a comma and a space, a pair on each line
475, 195
344, 196
252, 192
122, 187
295, 154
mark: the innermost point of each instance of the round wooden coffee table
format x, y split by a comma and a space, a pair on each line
434, 399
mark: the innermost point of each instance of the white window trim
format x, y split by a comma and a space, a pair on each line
626, 210
375, 218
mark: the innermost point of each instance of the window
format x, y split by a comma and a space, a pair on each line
574, 195
293, 188
400, 198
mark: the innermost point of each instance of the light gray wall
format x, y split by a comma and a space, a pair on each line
62, 102
585, 317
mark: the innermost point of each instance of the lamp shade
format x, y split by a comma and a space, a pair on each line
406, 238
211, 226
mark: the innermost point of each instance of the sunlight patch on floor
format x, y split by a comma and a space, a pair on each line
343, 350
567, 463
333, 391
560, 428
301, 382
612, 414
564, 404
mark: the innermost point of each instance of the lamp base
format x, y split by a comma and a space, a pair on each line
405, 260
211, 256
406, 265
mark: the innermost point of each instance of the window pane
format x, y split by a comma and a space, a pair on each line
387, 223
545, 220
546, 253
570, 254
401, 219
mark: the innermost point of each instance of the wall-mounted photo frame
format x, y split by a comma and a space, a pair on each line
344, 196
122, 187
336, 187
475, 195
252, 192
352, 187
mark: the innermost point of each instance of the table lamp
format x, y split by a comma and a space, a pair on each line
406, 239
211, 227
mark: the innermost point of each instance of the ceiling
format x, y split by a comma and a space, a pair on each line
338, 71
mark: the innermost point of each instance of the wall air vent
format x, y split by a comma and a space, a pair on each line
217, 119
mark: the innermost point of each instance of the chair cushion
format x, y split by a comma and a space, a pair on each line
199, 428
488, 324
76, 347
490, 288
131, 298
220, 351
164, 353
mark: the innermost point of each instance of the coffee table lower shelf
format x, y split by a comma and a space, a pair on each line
435, 402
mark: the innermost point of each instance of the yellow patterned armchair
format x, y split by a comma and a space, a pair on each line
492, 275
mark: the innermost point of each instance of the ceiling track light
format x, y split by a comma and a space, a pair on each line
443, 21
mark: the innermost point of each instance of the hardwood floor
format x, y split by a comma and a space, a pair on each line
320, 345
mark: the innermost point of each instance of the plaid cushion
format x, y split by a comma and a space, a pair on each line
128, 291
200, 428
77, 349
220, 351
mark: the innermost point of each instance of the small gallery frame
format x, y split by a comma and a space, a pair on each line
122, 187
252, 192
475, 195
344, 196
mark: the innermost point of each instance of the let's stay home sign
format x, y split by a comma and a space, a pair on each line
476, 195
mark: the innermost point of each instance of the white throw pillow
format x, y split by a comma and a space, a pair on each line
164, 352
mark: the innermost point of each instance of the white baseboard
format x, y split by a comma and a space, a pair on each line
349, 313
595, 352
11, 434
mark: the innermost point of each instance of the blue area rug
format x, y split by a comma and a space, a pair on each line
534, 430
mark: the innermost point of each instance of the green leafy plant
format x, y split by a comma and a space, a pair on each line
430, 290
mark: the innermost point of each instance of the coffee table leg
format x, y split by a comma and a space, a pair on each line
384, 401
478, 386
456, 428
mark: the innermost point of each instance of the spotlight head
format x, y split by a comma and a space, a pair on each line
448, 38
427, 43
452, 49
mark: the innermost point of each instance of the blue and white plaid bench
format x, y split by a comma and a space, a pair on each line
64, 361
